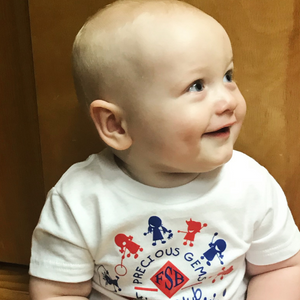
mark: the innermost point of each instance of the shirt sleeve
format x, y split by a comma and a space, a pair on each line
59, 251
276, 236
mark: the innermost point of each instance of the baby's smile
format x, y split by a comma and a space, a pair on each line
222, 132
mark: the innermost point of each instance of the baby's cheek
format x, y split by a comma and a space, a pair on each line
241, 108
190, 129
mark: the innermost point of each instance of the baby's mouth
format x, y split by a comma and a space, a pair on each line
224, 129
221, 132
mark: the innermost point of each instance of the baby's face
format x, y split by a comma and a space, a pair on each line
189, 110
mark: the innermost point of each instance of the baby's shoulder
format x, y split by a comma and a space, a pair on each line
85, 175
242, 159
243, 167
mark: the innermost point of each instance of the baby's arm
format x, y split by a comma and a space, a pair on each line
277, 281
41, 289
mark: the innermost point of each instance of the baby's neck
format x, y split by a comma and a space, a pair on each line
154, 178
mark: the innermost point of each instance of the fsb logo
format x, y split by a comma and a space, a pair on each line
169, 279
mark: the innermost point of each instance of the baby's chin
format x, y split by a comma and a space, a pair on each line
215, 162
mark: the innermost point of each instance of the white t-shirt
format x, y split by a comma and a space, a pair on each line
187, 242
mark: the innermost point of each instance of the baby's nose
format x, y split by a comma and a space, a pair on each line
225, 102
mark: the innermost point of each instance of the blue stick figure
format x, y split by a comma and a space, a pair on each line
216, 249
155, 227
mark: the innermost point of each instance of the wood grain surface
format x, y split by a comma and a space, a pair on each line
21, 177
13, 282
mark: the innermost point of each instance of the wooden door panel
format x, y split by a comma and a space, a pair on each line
67, 134
21, 181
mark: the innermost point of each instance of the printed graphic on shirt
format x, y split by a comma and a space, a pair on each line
158, 231
193, 228
127, 247
150, 270
222, 273
105, 279
169, 279
216, 250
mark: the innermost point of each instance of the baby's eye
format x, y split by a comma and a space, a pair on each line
228, 77
197, 86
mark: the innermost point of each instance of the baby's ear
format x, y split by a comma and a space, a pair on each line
110, 124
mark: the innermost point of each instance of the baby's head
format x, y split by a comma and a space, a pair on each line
158, 78
119, 44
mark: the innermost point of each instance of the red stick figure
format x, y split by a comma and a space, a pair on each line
125, 243
193, 228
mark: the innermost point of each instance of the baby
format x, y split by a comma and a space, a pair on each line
169, 209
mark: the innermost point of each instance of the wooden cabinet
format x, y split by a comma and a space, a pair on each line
43, 130
21, 178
